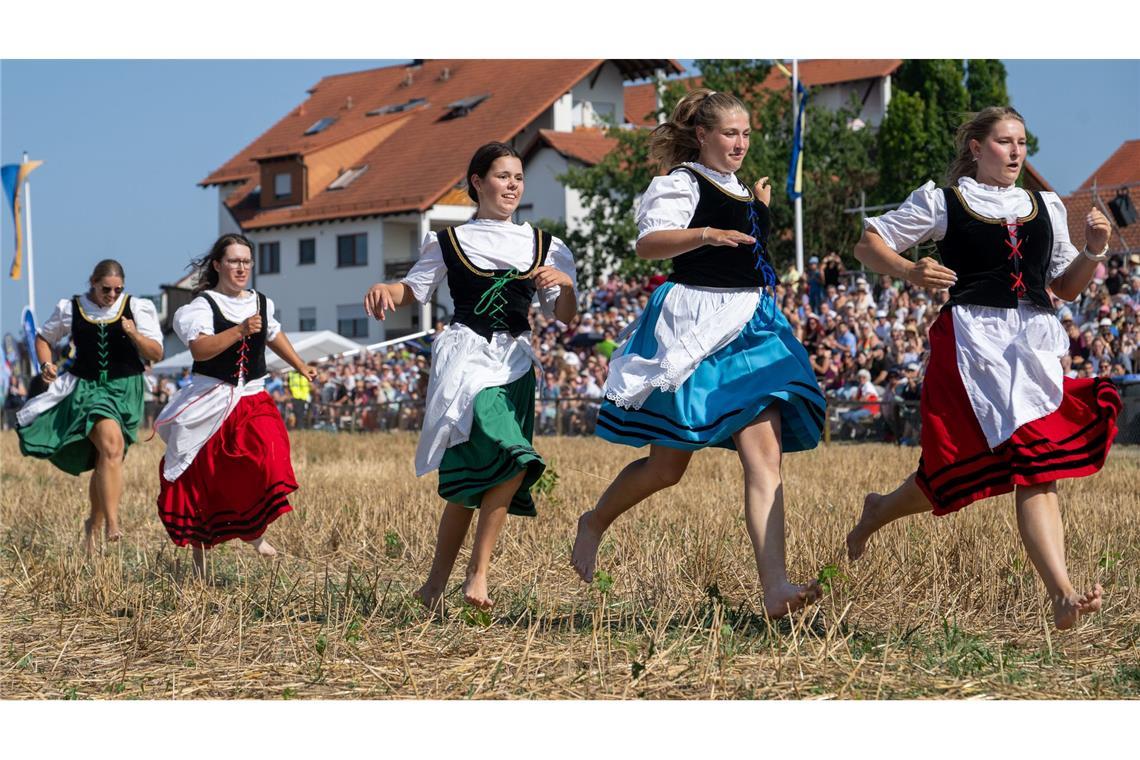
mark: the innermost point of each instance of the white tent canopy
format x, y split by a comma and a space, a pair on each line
310, 346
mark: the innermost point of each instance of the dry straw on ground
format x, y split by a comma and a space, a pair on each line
944, 608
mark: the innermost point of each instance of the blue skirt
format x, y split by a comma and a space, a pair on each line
726, 391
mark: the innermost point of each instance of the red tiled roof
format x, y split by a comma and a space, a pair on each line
641, 99
419, 157
1121, 240
586, 145
1121, 168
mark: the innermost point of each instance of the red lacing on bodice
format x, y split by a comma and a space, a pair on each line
1013, 243
242, 358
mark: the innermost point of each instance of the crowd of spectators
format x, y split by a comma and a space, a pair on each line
866, 337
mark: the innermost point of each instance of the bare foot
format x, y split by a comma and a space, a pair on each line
431, 597
865, 528
112, 532
475, 591
88, 543
584, 557
1068, 610
263, 547
789, 598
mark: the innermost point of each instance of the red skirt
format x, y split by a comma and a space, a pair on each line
957, 465
238, 483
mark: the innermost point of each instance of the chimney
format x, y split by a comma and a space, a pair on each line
408, 79
445, 74
348, 103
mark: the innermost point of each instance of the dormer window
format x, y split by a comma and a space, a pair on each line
282, 185
398, 107
321, 125
347, 177
461, 108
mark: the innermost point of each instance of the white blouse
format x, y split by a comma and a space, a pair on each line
198, 410
463, 362
490, 244
671, 201
1009, 359
196, 318
58, 325
695, 322
923, 217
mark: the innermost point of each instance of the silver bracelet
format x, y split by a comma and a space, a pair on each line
1095, 256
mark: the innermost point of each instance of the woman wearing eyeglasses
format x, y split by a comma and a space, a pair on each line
226, 473
89, 414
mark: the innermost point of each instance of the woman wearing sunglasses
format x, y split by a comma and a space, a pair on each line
89, 414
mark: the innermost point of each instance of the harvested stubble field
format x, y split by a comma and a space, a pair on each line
939, 608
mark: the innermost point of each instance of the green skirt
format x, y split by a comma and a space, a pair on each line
60, 433
499, 449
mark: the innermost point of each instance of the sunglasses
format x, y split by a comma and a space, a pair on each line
108, 291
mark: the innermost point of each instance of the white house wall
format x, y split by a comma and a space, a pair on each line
544, 197
608, 89
834, 97
323, 285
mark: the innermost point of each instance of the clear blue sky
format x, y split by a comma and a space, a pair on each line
125, 142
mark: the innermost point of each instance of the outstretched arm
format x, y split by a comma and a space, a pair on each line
282, 346
386, 296
879, 257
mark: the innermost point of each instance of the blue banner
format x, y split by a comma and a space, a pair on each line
28, 320
796, 167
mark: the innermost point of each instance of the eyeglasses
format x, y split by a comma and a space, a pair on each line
238, 263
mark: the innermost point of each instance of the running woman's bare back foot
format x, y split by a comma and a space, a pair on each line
1067, 610
865, 528
263, 547
88, 542
431, 597
789, 597
584, 557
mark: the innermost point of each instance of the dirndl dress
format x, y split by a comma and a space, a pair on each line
105, 382
227, 471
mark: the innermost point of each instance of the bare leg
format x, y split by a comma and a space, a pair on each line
452, 530
107, 480
881, 509
758, 445
94, 518
492, 515
200, 562
640, 479
1039, 522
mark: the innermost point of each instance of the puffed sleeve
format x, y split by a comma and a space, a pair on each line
668, 204
146, 318
920, 218
272, 327
1063, 249
559, 257
58, 324
428, 272
193, 320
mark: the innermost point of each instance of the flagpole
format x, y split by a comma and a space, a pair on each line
28, 228
798, 204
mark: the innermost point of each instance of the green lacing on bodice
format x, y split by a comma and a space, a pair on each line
493, 302
104, 352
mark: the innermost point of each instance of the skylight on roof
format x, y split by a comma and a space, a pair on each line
398, 107
347, 177
461, 108
321, 125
